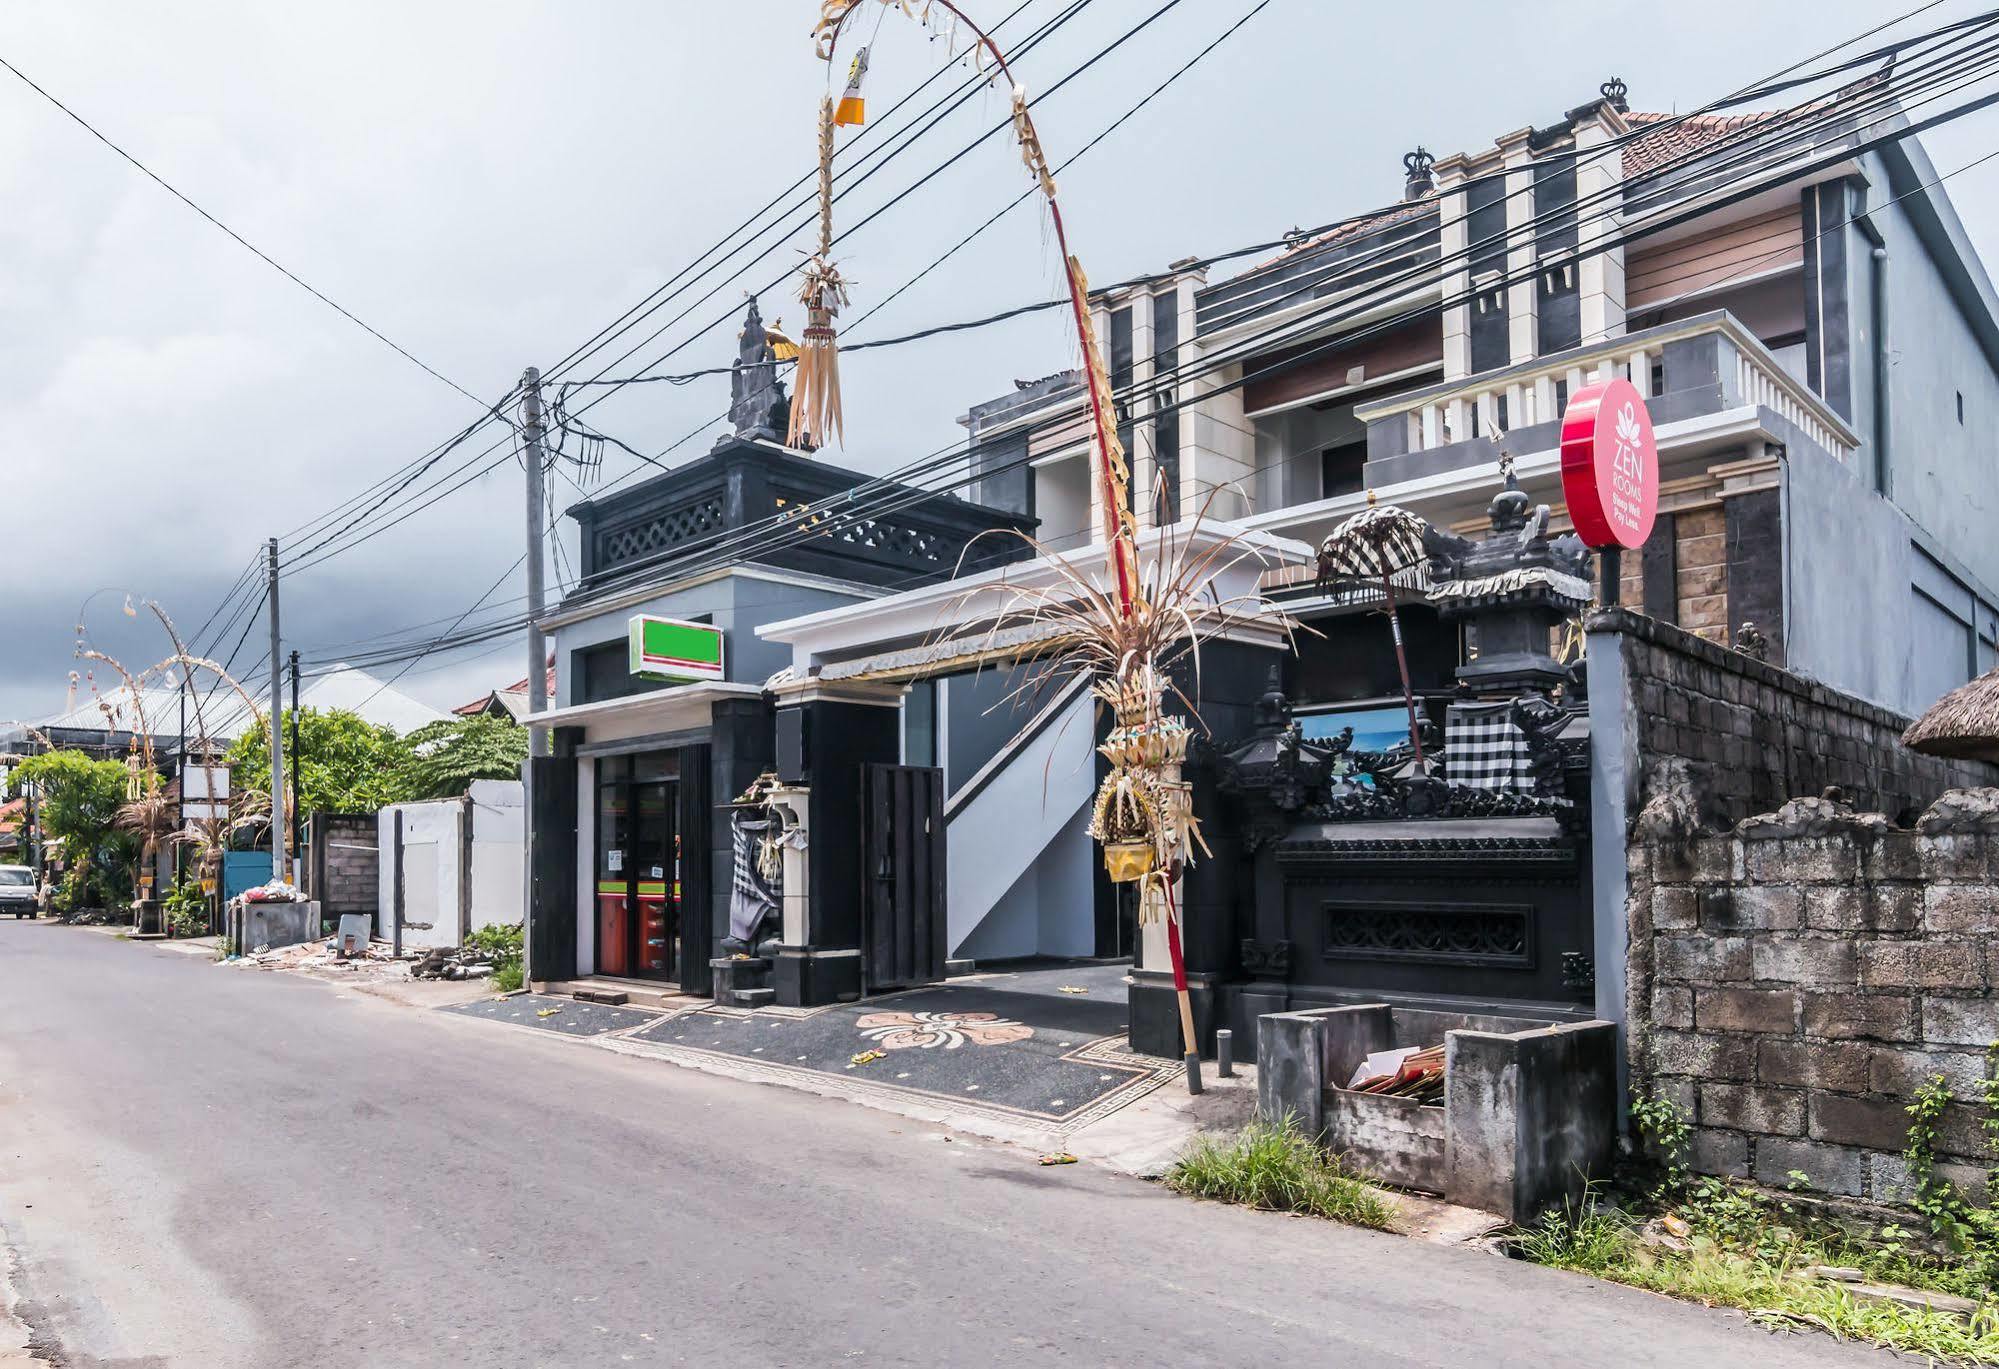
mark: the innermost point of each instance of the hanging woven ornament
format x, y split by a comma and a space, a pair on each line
853, 109
815, 404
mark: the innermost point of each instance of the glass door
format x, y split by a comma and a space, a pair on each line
638, 865
655, 877
613, 878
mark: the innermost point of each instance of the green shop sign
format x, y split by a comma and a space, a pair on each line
670, 649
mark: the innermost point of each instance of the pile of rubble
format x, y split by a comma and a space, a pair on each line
325, 954
372, 958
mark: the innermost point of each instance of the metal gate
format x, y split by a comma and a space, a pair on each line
903, 932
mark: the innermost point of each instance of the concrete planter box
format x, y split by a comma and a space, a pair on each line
1529, 1114
254, 926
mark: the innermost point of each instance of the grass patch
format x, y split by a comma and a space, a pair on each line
507, 978
1276, 1168
1605, 1243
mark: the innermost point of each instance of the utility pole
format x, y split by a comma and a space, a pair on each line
298, 794
279, 867
180, 804
531, 420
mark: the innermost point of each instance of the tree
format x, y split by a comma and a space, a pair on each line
445, 757
346, 764
78, 800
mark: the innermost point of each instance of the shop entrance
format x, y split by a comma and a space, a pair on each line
638, 876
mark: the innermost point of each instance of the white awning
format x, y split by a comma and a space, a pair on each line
676, 709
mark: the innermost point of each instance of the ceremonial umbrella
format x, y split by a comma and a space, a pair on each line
1379, 543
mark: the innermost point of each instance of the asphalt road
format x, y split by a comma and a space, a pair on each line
211, 1167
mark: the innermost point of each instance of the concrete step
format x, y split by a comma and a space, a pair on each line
746, 998
609, 997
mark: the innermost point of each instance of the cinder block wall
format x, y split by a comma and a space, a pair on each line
341, 869
1793, 983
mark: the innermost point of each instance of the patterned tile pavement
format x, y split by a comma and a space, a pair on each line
1014, 1046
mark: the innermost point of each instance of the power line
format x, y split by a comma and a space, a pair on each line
260, 254
507, 626
1650, 130
438, 490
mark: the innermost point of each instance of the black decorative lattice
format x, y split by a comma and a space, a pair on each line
895, 539
662, 531
1431, 934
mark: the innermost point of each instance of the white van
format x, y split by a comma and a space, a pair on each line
17, 891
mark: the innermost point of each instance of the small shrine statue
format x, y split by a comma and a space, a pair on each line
758, 406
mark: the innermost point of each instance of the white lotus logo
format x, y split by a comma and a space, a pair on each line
1627, 425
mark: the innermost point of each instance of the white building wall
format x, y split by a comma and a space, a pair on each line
432, 862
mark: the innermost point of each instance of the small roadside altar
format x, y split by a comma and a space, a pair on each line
1417, 954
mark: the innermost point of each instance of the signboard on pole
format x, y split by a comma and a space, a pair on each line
674, 649
204, 792
1610, 465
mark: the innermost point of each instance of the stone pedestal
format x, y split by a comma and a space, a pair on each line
742, 981
1155, 1013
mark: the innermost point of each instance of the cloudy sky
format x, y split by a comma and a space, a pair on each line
489, 184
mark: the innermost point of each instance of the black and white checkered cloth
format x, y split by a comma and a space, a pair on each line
751, 899
1484, 748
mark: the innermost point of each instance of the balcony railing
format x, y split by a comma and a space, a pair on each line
1699, 365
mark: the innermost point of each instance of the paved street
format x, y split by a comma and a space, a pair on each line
215, 1168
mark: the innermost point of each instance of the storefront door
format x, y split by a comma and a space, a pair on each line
638, 865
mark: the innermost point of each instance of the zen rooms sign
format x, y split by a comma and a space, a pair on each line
672, 649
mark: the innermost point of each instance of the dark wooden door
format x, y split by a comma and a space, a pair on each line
903, 935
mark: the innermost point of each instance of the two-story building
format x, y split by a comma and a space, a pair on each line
630, 856
1791, 291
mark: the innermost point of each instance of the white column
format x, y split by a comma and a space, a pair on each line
1452, 240
1600, 277
1523, 304
793, 802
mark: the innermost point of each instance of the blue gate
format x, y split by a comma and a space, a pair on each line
244, 870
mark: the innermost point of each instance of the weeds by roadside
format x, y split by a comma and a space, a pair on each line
1773, 1289
1279, 1169
1727, 1244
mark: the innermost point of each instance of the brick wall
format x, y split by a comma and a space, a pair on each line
341, 867
1756, 736
1792, 983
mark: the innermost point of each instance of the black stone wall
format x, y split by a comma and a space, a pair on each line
1758, 735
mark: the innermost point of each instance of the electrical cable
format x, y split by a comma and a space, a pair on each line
1654, 128
511, 626
256, 251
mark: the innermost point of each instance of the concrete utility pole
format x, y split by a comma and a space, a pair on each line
279, 868
298, 794
531, 420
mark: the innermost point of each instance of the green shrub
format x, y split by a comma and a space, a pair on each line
186, 909
501, 945
1279, 1169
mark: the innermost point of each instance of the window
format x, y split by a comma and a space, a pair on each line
919, 724
1340, 469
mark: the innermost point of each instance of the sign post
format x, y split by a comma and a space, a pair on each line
1610, 472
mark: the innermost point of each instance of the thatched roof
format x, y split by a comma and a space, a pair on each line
1963, 723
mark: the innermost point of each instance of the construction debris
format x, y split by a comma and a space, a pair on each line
1408, 1072
452, 962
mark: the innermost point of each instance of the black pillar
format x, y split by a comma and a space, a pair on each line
823, 744
551, 914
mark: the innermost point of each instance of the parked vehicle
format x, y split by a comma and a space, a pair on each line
17, 891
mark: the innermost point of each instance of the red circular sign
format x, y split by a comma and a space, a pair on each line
1610, 465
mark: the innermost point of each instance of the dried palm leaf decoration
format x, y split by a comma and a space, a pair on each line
815, 403
1119, 632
